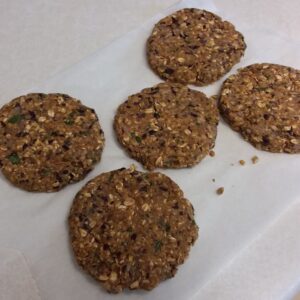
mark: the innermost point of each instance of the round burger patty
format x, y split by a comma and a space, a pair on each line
168, 126
194, 46
48, 141
262, 102
131, 229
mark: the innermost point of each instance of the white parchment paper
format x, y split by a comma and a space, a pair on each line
36, 223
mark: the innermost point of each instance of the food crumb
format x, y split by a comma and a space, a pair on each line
254, 159
220, 191
212, 153
242, 162
213, 180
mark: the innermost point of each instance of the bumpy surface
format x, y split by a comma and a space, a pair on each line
48, 141
194, 46
131, 229
167, 126
262, 102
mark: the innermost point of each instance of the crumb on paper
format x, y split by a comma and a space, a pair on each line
212, 153
242, 162
220, 190
213, 180
254, 159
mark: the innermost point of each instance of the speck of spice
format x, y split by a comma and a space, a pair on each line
212, 153
242, 162
254, 159
220, 190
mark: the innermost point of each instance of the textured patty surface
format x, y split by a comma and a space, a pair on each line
131, 229
168, 126
48, 141
194, 46
262, 102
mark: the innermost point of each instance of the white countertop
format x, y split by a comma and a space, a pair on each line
40, 38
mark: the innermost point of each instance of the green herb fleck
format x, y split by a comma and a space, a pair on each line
15, 119
157, 245
45, 172
111, 175
136, 137
164, 225
69, 121
14, 158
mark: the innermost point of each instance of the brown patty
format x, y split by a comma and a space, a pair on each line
194, 46
262, 102
168, 126
48, 141
131, 229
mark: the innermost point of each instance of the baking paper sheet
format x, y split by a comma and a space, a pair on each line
36, 223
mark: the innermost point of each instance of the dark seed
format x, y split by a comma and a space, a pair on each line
81, 111
32, 115
168, 227
175, 206
266, 140
104, 198
169, 71
133, 236
66, 145
163, 188
144, 189
162, 143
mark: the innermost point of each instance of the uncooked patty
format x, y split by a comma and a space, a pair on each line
48, 141
262, 102
194, 46
167, 126
131, 229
